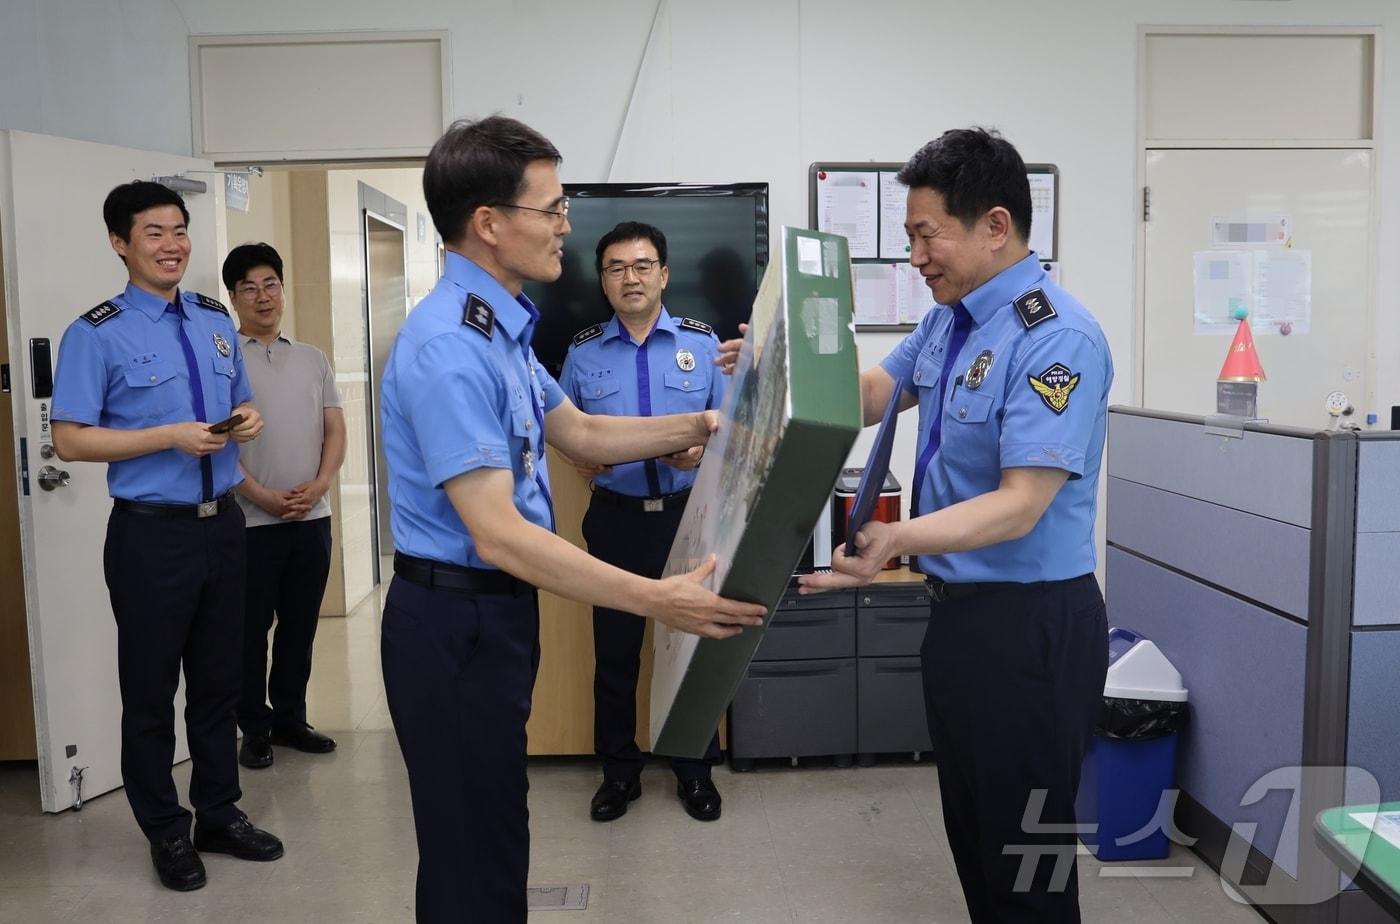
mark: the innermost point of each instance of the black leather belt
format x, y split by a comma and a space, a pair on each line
645, 504
178, 511
438, 575
942, 591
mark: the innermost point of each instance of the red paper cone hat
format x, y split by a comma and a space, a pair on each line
1242, 363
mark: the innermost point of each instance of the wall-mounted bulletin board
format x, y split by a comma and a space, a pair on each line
865, 203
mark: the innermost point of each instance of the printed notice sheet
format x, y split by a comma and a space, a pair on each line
848, 205
1043, 214
894, 242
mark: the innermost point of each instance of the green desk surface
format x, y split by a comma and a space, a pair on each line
1366, 855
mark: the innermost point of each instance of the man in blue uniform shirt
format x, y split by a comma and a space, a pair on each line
642, 362
465, 408
1011, 377
140, 380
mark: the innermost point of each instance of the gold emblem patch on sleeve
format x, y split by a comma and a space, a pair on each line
1054, 386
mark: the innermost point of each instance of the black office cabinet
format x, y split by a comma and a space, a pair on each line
795, 709
836, 675
890, 696
817, 626
893, 618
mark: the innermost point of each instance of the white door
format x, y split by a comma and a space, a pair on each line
1321, 200
59, 264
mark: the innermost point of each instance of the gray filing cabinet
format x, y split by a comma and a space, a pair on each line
890, 623
836, 675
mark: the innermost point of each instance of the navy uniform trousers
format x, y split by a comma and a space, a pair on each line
1013, 678
288, 564
459, 670
640, 542
176, 585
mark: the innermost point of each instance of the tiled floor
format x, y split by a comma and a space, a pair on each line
799, 845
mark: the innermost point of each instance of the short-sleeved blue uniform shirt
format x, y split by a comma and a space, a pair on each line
462, 390
1029, 388
672, 372
122, 365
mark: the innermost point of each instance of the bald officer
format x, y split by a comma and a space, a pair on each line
643, 362
140, 380
1011, 377
466, 407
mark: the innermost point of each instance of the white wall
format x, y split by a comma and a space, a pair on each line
268, 220
112, 72
734, 90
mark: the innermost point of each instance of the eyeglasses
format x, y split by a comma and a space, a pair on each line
642, 268
251, 289
560, 215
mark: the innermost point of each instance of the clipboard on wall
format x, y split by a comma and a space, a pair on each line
864, 202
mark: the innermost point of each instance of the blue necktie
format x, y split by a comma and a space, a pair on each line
644, 409
962, 326
206, 463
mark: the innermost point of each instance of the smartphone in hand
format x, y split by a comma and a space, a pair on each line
225, 426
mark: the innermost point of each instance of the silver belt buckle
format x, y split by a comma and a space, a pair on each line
653, 504
207, 509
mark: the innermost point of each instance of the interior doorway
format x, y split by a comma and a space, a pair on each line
386, 305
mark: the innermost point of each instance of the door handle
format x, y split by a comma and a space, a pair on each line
51, 478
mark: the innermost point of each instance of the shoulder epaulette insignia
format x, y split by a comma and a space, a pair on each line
1034, 307
587, 334
213, 304
102, 312
693, 324
479, 315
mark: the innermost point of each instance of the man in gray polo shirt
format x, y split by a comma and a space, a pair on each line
283, 496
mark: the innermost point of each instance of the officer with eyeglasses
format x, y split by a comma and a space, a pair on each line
466, 410
641, 362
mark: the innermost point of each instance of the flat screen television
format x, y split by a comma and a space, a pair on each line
717, 238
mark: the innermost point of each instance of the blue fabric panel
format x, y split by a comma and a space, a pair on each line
1373, 719
1374, 601
1266, 474
1378, 487
1244, 669
1263, 559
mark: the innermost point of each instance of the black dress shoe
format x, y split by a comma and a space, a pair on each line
700, 798
256, 752
303, 738
239, 839
611, 799
177, 864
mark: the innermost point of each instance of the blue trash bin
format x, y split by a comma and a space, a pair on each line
1131, 763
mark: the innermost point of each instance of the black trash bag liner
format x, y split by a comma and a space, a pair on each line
1140, 719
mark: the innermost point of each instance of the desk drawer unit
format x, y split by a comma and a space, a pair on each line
795, 709
891, 620
890, 718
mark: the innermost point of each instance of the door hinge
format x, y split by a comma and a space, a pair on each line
1147, 203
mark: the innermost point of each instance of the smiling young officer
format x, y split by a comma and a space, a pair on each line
466, 407
640, 362
1011, 379
140, 378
